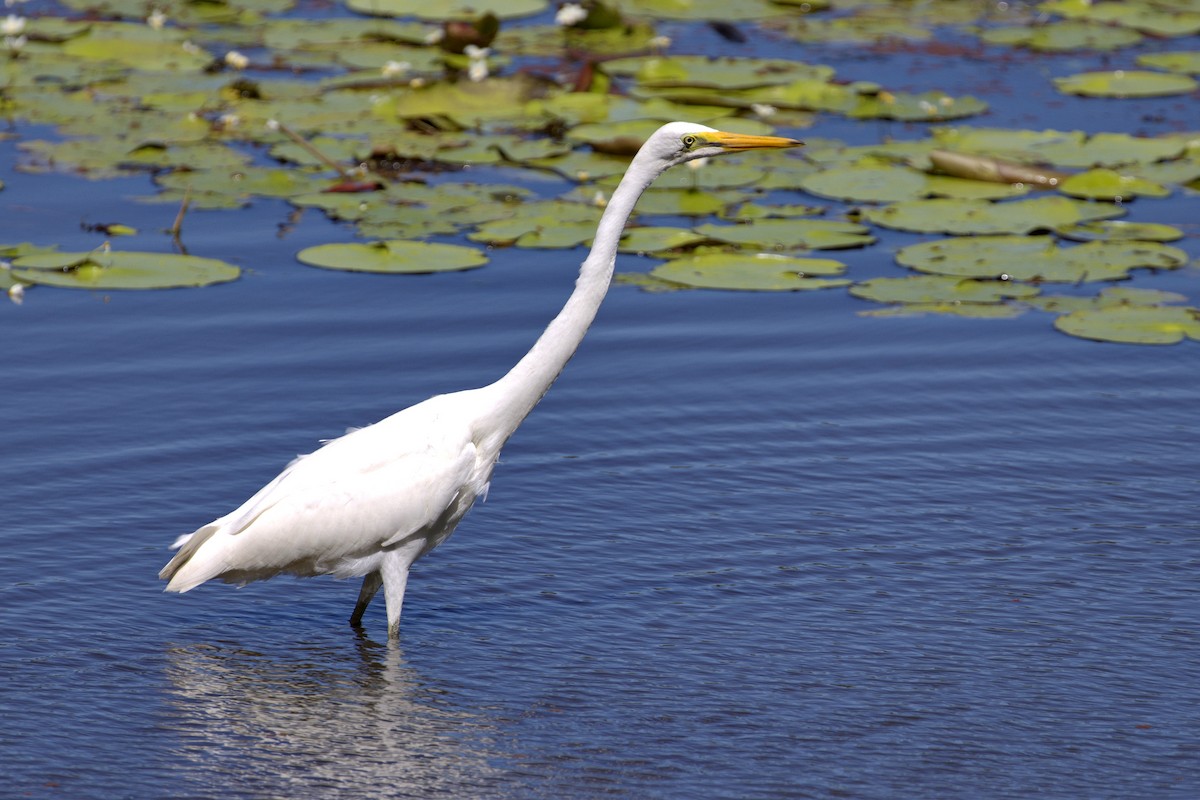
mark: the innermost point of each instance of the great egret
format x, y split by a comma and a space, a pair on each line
372, 502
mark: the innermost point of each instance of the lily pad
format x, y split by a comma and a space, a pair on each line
941, 289
759, 272
121, 270
1064, 36
1038, 258
866, 184
393, 256
1112, 296
657, 240
1133, 324
1126, 83
1183, 62
788, 234
718, 73
948, 309
982, 217
708, 9
1118, 230
465, 10
1105, 184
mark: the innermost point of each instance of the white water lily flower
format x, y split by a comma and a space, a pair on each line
763, 110
236, 60
477, 70
570, 14
394, 69
12, 25
157, 19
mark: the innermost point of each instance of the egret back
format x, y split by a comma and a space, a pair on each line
412, 475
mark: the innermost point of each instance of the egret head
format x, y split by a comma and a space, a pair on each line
677, 142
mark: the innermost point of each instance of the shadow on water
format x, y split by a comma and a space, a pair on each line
328, 720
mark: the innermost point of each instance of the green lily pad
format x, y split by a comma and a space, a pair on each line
1112, 296
718, 73
137, 47
1022, 146
393, 256
464, 10
1038, 258
749, 211
542, 225
866, 184
759, 272
708, 9
1105, 184
121, 270
941, 289
1126, 83
657, 240
981, 217
1111, 150
1185, 62
1117, 230
967, 310
1133, 324
685, 203
247, 182
791, 234
1145, 17
1064, 36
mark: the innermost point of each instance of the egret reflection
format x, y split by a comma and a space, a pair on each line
342, 720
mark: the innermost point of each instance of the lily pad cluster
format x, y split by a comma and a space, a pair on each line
437, 135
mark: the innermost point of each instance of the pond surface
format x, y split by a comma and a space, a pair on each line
750, 545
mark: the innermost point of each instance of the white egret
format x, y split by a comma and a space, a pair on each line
372, 502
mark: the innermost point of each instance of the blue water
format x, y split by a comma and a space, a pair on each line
749, 546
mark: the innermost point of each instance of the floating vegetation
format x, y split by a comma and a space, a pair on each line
393, 257
111, 269
506, 123
757, 272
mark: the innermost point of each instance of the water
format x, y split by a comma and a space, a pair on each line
748, 546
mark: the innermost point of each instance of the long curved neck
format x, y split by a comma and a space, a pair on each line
525, 384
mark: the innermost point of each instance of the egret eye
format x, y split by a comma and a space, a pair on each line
689, 141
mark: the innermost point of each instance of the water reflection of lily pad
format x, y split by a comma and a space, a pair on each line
393, 256
1038, 258
1133, 324
121, 270
759, 272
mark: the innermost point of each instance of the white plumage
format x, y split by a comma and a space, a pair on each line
372, 502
